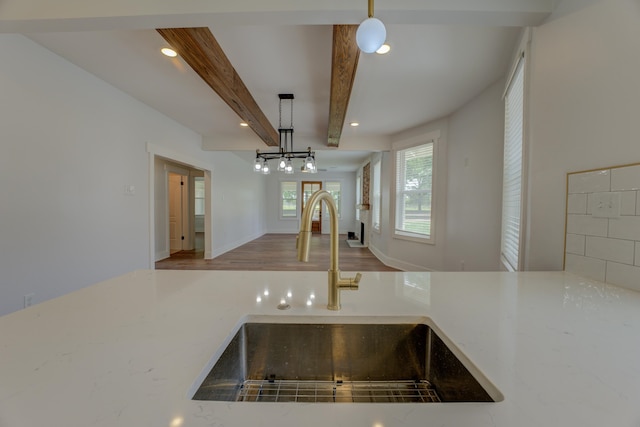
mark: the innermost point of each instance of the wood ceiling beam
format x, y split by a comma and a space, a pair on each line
344, 64
199, 48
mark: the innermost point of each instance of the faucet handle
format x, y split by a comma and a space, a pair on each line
356, 279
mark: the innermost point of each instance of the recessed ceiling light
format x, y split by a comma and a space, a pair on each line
385, 48
168, 52
244, 125
354, 124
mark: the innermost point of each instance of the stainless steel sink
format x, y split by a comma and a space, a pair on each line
356, 361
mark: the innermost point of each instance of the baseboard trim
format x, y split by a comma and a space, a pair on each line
233, 245
396, 263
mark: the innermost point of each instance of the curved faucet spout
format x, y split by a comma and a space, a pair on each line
336, 283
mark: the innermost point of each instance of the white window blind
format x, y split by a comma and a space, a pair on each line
414, 185
198, 185
375, 208
289, 199
512, 169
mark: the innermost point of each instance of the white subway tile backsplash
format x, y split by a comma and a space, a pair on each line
603, 225
627, 178
610, 249
577, 203
575, 244
628, 202
589, 182
588, 267
624, 275
625, 227
587, 225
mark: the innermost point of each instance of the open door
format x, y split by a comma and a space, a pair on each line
178, 211
308, 188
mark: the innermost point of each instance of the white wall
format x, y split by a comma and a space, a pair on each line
584, 104
474, 183
275, 224
469, 192
238, 202
69, 145
404, 254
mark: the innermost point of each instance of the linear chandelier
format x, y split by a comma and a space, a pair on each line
285, 153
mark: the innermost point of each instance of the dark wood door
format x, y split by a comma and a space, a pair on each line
308, 188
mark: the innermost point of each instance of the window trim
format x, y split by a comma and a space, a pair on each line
281, 200
429, 137
373, 197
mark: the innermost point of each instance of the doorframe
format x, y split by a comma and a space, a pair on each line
154, 151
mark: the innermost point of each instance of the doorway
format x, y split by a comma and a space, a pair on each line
308, 188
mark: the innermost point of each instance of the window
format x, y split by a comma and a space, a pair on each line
375, 208
414, 187
512, 170
198, 185
358, 199
334, 189
289, 198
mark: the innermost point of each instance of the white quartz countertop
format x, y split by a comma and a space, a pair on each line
563, 350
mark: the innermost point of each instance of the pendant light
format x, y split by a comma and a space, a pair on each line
371, 33
285, 150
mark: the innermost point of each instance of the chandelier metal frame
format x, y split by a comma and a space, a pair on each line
285, 151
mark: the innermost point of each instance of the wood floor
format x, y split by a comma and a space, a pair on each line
277, 252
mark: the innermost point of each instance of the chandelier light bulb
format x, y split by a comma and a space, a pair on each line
265, 168
282, 163
257, 166
371, 35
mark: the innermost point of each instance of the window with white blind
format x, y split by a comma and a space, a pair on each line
334, 188
414, 188
358, 196
198, 186
288, 199
376, 197
512, 170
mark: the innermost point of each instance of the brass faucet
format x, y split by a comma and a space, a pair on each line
336, 283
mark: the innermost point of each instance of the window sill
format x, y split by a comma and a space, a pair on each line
414, 238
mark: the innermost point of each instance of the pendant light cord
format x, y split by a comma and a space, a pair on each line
370, 8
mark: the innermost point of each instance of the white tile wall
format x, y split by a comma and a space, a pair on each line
589, 267
575, 244
590, 182
627, 178
610, 249
623, 275
625, 227
605, 249
577, 204
587, 225
628, 202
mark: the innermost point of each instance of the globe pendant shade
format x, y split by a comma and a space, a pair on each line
371, 35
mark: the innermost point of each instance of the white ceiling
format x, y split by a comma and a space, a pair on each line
431, 71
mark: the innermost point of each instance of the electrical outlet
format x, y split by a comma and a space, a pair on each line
28, 300
606, 205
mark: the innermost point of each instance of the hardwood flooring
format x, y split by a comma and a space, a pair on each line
277, 252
